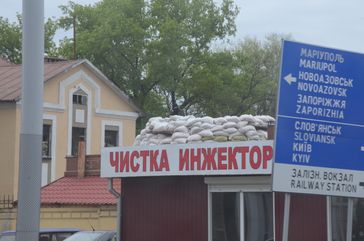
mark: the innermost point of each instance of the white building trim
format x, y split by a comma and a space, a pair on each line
47, 106
53, 118
81, 75
117, 114
70, 117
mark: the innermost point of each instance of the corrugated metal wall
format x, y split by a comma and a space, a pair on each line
307, 217
164, 209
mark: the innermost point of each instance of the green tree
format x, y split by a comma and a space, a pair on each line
214, 85
242, 80
257, 70
184, 32
150, 49
10, 39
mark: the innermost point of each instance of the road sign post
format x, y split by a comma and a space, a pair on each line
319, 145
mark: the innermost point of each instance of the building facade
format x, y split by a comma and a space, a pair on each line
79, 102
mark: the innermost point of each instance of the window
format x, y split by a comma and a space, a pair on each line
341, 209
46, 141
358, 220
111, 136
79, 99
240, 208
77, 135
254, 222
225, 216
111, 133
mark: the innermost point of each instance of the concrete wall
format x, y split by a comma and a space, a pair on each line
8, 147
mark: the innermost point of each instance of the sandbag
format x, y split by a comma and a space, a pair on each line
179, 141
207, 126
180, 123
220, 138
220, 133
189, 129
220, 121
229, 124
183, 129
231, 130
207, 138
207, 119
242, 123
232, 119
192, 121
217, 128
167, 140
196, 129
178, 135
248, 118
205, 133
247, 128
251, 133
238, 138
194, 137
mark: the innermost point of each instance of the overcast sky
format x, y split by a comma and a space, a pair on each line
331, 23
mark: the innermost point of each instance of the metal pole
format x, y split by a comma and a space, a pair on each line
349, 226
329, 218
118, 229
287, 203
30, 162
118, 208
242, 217
74, 36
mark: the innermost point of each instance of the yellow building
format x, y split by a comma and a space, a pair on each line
80, 199
79, 101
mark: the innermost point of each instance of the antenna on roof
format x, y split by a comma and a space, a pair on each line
74, 36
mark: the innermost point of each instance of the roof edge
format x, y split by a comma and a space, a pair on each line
112, 85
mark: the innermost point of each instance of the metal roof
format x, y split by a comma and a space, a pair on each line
11, 77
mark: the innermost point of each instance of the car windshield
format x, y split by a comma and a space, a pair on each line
85, 236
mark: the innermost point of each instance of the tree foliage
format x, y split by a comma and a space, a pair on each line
150, 49
258, 72
160, 53
10, 42
11, 34
241, 80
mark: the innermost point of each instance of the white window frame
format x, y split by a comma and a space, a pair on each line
349, 220
239, 184
70, 117
53, 119
118, 124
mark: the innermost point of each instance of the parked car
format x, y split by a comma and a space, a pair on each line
93, 236
46, 234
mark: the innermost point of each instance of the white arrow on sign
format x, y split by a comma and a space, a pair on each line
289, 78
362, 148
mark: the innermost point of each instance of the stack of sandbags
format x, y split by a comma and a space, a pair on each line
190, 129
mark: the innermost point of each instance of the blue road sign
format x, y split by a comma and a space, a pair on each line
319, 146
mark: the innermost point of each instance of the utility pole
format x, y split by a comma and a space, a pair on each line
74, 36
28, 216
